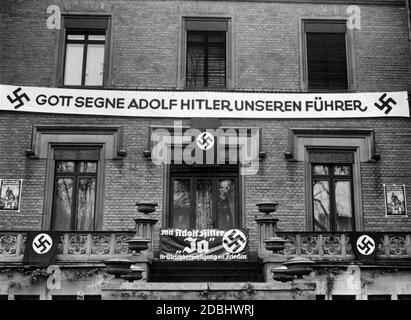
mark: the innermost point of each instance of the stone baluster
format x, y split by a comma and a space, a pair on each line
145, 230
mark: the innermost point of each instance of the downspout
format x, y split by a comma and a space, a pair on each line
408, 4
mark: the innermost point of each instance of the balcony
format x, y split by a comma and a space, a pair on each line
74, 247
336, 246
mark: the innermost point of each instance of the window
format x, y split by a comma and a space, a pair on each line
343, 297
74, 297
75, 184
338, 146
107, 143
326, 55
404, 297
26, 297
332, 191
379, 297
204, 197
206, 54
85, 54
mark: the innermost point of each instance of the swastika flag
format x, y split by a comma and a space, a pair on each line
41, 248
365, 245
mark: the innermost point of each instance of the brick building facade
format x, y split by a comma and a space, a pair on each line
265, 49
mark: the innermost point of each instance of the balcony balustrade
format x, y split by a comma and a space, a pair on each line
95, 247
336, 246
73, 246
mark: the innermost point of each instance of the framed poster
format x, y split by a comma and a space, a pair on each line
395, 200
10, 194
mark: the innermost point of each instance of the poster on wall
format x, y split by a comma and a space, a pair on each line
395, 200
10, 194
205, 244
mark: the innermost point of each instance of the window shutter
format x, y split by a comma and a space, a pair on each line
74, 22
206, 59
204, 25
216, 65
77, 154
326, 60
328, 27
331, 157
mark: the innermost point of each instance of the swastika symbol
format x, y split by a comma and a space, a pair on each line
234, 241
205, 140
18, 98
385, 104
365, 245
42, 243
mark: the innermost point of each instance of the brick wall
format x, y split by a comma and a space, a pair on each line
145, 39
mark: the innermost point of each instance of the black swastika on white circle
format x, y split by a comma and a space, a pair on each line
234, 241
365, 245
205, 140
42, 243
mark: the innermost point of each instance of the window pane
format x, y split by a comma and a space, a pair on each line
326, 60
86, 203
181, 204
95, 65
379, 297
195, 37
342, 170
97, 37
343, 205
26, 297
195, 66
226, 204
74, 64
63, 204
75, 37
87, 167
64, 166
320, 170
216, 37
321, 204
216, 67
204, 203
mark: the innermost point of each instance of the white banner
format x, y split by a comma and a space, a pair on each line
188, 104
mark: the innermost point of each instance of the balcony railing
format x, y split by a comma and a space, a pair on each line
72, 247
337, 246
99, 246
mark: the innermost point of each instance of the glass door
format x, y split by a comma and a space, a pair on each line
204, 199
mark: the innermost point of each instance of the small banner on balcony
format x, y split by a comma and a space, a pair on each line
41, 248
205, 244
365, 245
395, 200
